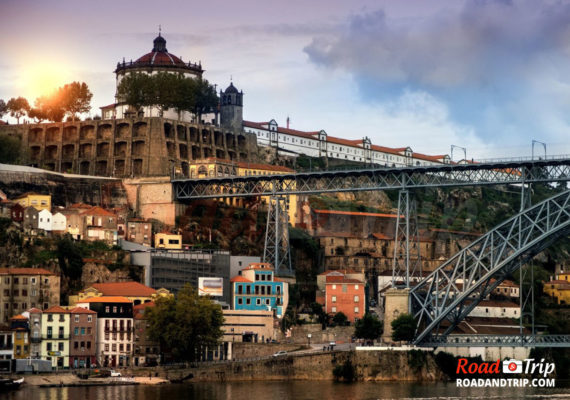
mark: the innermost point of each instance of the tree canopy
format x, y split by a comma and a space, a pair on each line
403, 328
10, 149
3, 108
184, 325
166, 90
340, 319
369, 327
18, 107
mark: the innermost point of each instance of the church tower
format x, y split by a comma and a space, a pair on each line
231, 108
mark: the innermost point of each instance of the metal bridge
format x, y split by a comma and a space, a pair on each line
496, 173
443, 299
447, 295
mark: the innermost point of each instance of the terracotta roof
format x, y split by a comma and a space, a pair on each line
239, 278
495, 303
356, 213
259, 266
19, 318
381, 236
98, 211
56, 310
340, 271
426, 157
108, 106
345, 142
127, 289
294, 132
142, 306
25, 271
160, 58
81, 310
506, 283
341, 279
34, 310
105, 299
397, 151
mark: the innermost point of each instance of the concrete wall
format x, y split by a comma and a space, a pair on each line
488, 353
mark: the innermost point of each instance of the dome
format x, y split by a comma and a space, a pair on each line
159, 57
231, 89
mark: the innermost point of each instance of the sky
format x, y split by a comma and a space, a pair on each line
489, 76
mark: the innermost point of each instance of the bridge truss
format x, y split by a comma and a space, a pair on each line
442, 300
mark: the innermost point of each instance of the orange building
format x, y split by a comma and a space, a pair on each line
344, 295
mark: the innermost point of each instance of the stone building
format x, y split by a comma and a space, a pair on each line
22, 288
145, 142
146, 351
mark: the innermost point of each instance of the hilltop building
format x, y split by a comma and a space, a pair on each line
136, 292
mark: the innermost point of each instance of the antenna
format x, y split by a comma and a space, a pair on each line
159, 30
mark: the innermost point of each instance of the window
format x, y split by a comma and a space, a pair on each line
89, 319
77, 318
83, 331
128, 347
248, 301
114, 346
266, 302
344, 288
114, 310
121, 347
50, 317
333, 299
34, 292
25, 281
76, 331
106, 346
356, 310
89, 331
88, 345
16, 281
334, 287
258, 302
356, 287
356, 299
49, 346
333, 309
240, 301
60, 346
107, 309
16, 293
61, 318
75, 345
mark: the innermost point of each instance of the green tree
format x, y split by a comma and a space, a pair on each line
317, 310
10, 149
3, 108
186, 324
136, 90
75, 98
340, 319
48, 107
18, 107
70, 256
403, 328
369, 327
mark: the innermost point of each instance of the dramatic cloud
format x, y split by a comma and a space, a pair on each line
500, 66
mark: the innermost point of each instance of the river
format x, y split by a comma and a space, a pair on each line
298, 390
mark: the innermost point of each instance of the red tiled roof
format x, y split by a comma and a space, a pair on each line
81, 310
341, 279
506, 283
356, 213
19, 318
391, 150
340, 271
98, 211
557, 282
259, 266
294, 132
25, 271
239, 278
142, 306
345, 142
105, 299
426, 157
127, 289
160, 58
34, 310
381, 236
56, 310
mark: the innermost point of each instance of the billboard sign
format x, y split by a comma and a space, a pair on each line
211, 286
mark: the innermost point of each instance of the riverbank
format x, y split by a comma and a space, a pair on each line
375, 366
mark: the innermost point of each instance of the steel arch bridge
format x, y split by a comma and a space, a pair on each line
446, 296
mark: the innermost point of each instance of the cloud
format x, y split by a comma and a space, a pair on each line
500, 67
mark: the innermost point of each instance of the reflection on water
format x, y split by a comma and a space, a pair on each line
298, 390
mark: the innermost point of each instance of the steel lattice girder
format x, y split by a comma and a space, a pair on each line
374, 179
500, 340
451, 291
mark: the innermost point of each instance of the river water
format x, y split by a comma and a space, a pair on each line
298, 390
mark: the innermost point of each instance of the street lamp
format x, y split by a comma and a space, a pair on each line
309, 338
538, 142
461, 148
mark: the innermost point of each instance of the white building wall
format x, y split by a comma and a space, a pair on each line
58, 222
495, 312
45, 220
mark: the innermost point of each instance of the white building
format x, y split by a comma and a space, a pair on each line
158, 60
45, 220
58, 222
319, 144
496, 309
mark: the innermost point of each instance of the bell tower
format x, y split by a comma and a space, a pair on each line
231, 108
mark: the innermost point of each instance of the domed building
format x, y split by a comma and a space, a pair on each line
157, 60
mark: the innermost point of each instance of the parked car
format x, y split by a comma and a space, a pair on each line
280, 353
115, 373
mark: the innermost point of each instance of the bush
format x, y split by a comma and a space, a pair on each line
403, 328
345, 371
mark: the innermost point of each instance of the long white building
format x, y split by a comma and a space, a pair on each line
320, 144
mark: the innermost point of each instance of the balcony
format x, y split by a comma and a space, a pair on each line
55, 337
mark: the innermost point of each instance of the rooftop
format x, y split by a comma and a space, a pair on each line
56, 310
127, 289
25, 271
81, 310
106, 299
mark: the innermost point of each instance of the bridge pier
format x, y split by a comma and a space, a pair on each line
397, 303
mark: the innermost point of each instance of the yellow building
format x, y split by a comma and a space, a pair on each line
559, 289
215, 167
134, 291
169, 241
55, 336
20, 326
38, 201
